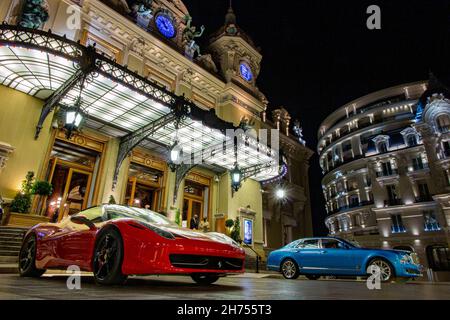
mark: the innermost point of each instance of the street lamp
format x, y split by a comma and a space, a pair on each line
175, 155
74, 118
236, 176
280, 193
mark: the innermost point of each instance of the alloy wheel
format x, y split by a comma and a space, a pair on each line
289, 269
385, 269
105, 257
26, 257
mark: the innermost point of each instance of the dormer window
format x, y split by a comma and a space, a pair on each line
381, 143
443, 123
410, 136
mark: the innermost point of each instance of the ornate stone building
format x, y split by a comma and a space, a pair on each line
136, 73
386, 178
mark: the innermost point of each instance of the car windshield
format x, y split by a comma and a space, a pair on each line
144, 215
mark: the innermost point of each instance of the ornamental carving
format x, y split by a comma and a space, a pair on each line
5, 150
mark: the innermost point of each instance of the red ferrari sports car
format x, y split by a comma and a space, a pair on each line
115, 241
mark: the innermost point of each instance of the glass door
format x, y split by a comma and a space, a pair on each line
192, 208
76, 192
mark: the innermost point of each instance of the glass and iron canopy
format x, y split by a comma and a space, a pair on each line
122, 104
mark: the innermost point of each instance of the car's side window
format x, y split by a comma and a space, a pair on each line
332, 244
309, 244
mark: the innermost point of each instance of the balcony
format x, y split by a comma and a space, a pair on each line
352, 206
423, 198
387, 173
393, 202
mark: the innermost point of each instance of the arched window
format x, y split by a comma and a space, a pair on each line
411, 140
443, 123
438, 257
382, 147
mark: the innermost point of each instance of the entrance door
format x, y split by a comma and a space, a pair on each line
76, 192
71, 188
191, 207
142, 194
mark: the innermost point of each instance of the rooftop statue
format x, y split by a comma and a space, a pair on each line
34, 14
190, 33
298, 131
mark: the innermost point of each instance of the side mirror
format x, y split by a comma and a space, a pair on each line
83, 220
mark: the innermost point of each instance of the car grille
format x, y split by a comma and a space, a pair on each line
205, 262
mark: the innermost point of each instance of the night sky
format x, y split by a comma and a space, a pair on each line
319, 55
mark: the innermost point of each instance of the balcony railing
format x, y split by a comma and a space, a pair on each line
398, 229
393, 202
418, 167
352, 206
424, 198
387, 173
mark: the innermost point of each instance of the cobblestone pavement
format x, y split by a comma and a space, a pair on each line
241, 288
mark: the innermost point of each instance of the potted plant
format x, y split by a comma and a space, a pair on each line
178, 217
236, 232
22, 200
229, 223
111, 200
19, 211
41, 189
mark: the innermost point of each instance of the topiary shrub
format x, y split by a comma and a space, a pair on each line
21, 203
111, 200
236, 232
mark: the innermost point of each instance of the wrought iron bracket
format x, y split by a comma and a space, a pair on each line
179, 111
249, 172
87, 66
180, 173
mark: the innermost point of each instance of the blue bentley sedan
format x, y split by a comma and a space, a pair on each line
329, 256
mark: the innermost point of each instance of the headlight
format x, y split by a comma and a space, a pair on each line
160, 232
405, 259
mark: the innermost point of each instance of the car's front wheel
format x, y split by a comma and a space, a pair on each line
27, 258
383, 267
289, 269
108, 257
205, 279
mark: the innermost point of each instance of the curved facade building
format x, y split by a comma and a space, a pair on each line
385, 160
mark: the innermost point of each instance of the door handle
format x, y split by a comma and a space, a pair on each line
323, 251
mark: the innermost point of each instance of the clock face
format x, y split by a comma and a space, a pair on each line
246, 72
164, 23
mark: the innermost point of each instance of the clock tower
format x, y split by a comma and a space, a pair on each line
240, 63
239, 59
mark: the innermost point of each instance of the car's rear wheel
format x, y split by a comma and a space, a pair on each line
312, 276
205, 279
289, 269
385, 268
27, 258
108, 257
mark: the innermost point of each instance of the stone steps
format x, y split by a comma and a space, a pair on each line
9, 268
8, 259
9, 252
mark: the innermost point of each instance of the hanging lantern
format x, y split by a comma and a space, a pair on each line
236, 177
74, 118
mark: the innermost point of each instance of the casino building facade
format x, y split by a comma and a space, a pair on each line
98, 105
385, 160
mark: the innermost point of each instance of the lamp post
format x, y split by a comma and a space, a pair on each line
280, 194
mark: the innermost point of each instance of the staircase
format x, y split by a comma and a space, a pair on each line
10, 243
